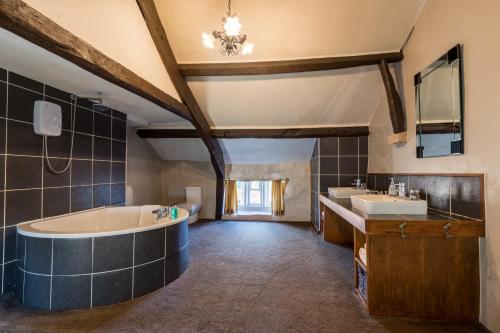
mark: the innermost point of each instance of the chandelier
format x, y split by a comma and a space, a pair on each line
231, 42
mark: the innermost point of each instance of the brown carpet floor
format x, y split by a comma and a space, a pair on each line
243, 277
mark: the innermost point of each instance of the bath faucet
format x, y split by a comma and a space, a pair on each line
160, 212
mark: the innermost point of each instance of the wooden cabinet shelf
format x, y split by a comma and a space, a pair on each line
416, 266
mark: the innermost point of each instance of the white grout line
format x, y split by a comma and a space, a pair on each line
133, 264
92, 274
5, 177
51, 272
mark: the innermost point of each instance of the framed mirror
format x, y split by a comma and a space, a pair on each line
440, 106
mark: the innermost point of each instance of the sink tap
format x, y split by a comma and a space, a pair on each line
357, 183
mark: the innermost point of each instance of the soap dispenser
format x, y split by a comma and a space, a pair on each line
392, 188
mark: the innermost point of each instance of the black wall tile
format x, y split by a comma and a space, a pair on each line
25, 82
327, 181
38, 255
118, 172
466, 196
329, 165
19, 290
59, 146
102, 195
20, 245
113, 252
176, 264
21, 103
10, 244
419, 183
85, 103
56, 180
102, 149
81, 198
24, 172
119, 115
148, 278
346, 181
22, 139
102, 172
119, 150
71, 292
149, 246
348, 146
370, 183
37, 291
72, 256
363, 145
84, 121
81, 172
3, 75
348, 165
16, 203
112, 287
56, 93
2, 175
82, 148
9, 276
438, 193
383, 181
102, 125
117, 194
176, 238
3, 99
363, 165
119, 130
55, 201
328, 146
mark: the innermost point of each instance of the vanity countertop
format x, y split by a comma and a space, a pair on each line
431, 224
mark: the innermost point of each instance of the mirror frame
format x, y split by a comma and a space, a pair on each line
457, 147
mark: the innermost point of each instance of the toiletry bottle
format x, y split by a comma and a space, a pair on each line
174, 212
402, 190
392, 188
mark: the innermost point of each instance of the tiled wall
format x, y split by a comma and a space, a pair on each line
336, 162
451, 195
27, 189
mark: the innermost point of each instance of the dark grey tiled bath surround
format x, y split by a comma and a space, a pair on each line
27, 190
336, 162
62, 273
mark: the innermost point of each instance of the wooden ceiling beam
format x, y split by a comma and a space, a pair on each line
278, 133
24, 21
160, 39
286, 66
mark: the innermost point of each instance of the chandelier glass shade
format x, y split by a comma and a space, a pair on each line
230, 41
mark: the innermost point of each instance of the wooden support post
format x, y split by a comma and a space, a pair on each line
396, 111
160, 39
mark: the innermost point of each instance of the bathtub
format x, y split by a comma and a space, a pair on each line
98, 257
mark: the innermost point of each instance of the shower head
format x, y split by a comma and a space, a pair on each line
100, 107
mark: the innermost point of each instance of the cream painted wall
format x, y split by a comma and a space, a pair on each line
176, 175
441, 25
298, 191
114, 27
143, 171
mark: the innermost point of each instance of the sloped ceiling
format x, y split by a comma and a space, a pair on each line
327, 98
287, 29
291, 29
237, 151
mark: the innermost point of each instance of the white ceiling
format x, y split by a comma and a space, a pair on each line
346, 97
292, 28
237, 151
25, 58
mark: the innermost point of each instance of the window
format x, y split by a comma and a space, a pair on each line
254, 197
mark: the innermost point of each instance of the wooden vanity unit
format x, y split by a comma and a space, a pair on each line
424, 266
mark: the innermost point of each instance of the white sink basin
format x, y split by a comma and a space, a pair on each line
344, 192
384, 204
